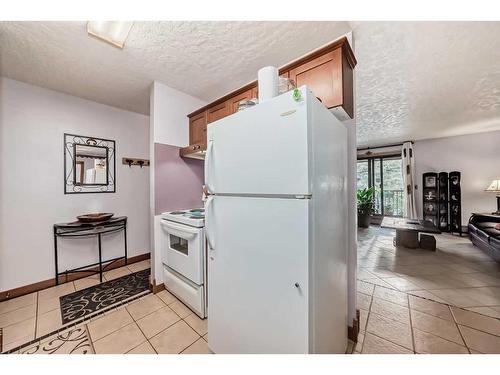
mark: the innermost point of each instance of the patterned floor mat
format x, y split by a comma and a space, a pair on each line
87, 301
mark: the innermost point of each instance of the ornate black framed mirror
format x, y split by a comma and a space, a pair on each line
89, 165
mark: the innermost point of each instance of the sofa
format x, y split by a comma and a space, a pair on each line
483, 234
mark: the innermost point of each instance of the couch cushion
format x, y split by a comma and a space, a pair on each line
492, 232
486, 224
495, 242
483, 234
472, 229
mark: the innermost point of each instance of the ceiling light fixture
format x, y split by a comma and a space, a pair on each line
112, 32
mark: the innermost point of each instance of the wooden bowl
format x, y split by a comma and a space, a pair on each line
94, 218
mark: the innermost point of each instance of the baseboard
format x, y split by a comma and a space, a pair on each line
352, 332
27, 289
156, 288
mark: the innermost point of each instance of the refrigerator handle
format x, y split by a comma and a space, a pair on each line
207, 221
208, 157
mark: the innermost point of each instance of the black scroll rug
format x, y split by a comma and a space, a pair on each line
87, 301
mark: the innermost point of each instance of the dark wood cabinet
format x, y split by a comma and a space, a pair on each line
233, 102
218, 111
198, 129
328, 72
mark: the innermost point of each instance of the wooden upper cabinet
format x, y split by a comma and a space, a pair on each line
198, 129
329, 77
217, 112
323, 75
233, 102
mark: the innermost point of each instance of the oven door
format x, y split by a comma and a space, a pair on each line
182, 249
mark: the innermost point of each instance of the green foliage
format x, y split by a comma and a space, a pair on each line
365, 200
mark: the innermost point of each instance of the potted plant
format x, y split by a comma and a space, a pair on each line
365, 206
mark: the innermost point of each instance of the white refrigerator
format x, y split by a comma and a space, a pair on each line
276, 228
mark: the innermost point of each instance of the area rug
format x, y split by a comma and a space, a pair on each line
90, 300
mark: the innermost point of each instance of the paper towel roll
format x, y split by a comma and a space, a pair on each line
268, 83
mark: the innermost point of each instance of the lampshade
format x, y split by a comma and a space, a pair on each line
494, 186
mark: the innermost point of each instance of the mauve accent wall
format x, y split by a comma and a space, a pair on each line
178, 181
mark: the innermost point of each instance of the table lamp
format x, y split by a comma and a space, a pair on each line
495, 188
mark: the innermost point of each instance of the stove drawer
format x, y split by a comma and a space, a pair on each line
190, 294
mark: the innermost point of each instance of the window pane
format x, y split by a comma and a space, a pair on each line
362, 174
393, 187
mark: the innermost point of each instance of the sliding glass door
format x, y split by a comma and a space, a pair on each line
385, 174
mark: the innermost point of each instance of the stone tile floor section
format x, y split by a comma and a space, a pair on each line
154, 324
457, 273
395, 322
26, 318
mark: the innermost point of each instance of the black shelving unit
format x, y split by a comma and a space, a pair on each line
443, 202
430, 193
455, 198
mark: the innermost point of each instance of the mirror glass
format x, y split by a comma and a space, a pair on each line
90, 165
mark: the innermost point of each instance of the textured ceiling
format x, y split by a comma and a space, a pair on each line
203, 59
418, 80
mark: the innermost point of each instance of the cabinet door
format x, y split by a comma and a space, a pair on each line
323, 76
218, 111
233, 102
255, 92
198, 129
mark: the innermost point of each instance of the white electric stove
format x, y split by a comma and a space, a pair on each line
184, 258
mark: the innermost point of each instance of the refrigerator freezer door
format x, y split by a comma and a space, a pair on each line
261, 150
258, 275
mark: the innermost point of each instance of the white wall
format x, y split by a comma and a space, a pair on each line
169, 125
32, 123
476, 156
169, 110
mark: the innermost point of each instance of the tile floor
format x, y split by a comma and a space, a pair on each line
29, 317
457, 273
416, 301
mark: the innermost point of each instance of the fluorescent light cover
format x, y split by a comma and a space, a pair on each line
113, 32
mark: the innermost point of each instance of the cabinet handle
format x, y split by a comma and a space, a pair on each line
297, 285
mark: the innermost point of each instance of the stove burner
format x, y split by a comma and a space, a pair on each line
197, 210
177, 212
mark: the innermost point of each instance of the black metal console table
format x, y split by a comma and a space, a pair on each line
79, 229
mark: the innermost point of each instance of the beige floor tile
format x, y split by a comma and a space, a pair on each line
377, 345
180, 309
48, 322
144, 348
199, 325
157, 321
477, 321
18, 302
427, 295
455, 297
121, 341
363, 301
87, 282
49, 304
430, 307
431, 344
199, 347
359, 344
16, 316
487, 296
139, 266
480, 341
145, 306
391, 295
402, 283
392, 330
19, 331
174, 339
363, 319
166, 297
56, 291
365, 288
488, 311
109, 323
205, 337
116, 273
437, 326
391, 310
15, 344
